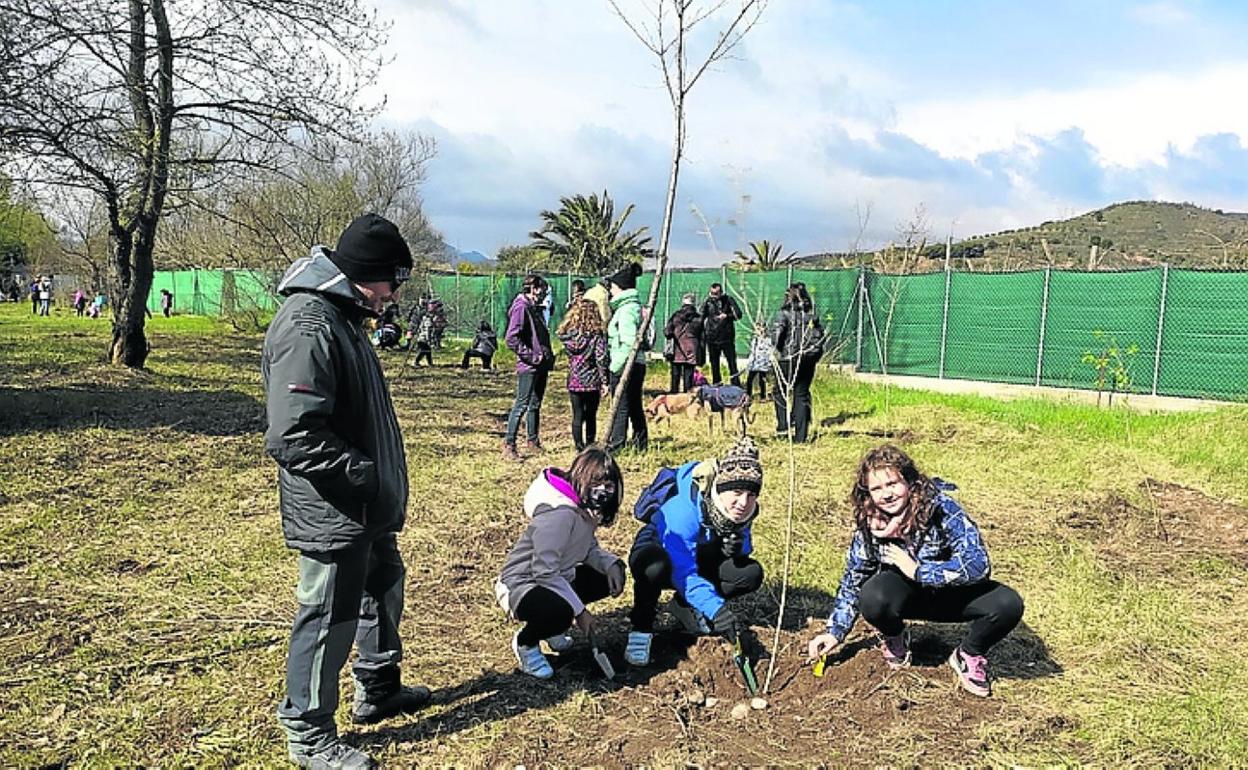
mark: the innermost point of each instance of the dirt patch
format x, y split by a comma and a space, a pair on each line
1172, 520
860, 711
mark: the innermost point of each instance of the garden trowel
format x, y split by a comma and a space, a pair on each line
601, 658
744, 666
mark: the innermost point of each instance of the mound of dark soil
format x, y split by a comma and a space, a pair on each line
858, 711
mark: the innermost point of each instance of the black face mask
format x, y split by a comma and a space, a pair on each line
599, 497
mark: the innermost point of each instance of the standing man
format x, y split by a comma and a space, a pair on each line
342, 478
528, 336
720, 313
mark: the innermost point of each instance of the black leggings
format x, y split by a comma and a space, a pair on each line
631, 413
584, 417
682, 378
797, 374
993, 609
485, 360
423, 351
652, 572
546, 613
761, 378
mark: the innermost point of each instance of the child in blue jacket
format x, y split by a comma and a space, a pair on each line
915, 554
696, 540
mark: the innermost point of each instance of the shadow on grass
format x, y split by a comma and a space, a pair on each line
210, 413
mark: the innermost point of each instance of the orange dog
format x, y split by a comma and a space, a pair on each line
664, 406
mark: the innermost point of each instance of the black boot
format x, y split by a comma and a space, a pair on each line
404, 701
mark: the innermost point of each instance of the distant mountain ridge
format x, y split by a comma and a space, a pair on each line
1132, 234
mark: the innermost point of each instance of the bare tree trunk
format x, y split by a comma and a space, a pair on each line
647, 318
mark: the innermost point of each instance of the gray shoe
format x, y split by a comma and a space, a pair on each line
404, 701
335, 756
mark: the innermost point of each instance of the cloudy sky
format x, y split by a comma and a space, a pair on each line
988, 115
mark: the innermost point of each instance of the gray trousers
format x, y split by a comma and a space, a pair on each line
355, 593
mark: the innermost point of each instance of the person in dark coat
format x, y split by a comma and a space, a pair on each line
528, 336
720, 313
797, 335
684, 329
342, 482
484, 345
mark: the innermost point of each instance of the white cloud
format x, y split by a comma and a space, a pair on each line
1129, 123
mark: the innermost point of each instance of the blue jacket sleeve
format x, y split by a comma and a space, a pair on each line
968, 561
860, 565
680, 542
662, 489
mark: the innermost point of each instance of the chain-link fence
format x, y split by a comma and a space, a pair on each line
1161, 331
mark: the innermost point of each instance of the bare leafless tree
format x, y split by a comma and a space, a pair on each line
143, 102
665, 29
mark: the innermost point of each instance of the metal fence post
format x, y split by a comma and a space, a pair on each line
944, 319
790, 274
1161, 322
862, 298
1044, 317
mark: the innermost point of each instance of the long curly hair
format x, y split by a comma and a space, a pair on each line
922, 491
582, 317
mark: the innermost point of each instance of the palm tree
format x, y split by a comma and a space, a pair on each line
584, 235
763, 256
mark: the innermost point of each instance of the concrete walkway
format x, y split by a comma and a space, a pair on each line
1138, 401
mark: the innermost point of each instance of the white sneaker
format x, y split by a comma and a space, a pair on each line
531, 659
690, 619
637, 652
559, 642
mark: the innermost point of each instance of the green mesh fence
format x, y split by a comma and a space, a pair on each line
1178, 332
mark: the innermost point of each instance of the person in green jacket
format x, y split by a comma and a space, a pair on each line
342, 483
621, 334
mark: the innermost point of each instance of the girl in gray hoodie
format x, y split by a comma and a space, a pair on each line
557, 566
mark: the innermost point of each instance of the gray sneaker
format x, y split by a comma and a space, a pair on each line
335, 756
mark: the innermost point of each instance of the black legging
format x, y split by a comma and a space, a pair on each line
888, 599
797, 374
485, 360
760, 377
546, 613
682, 378
423, 351
584, 417
631, 412
652, 573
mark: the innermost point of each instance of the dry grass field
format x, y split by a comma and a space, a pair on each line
145, 592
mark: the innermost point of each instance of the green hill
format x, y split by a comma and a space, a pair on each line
1125, 235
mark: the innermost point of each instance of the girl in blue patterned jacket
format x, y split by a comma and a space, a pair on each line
915, 554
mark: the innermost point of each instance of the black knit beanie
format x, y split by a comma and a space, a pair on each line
626, 277
372, 249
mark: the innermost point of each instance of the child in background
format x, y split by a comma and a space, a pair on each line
759, 363
424, 339
484, 345
915, 554
584, 337
557, 567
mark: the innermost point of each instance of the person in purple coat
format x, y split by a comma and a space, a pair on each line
584, 337
529, 339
